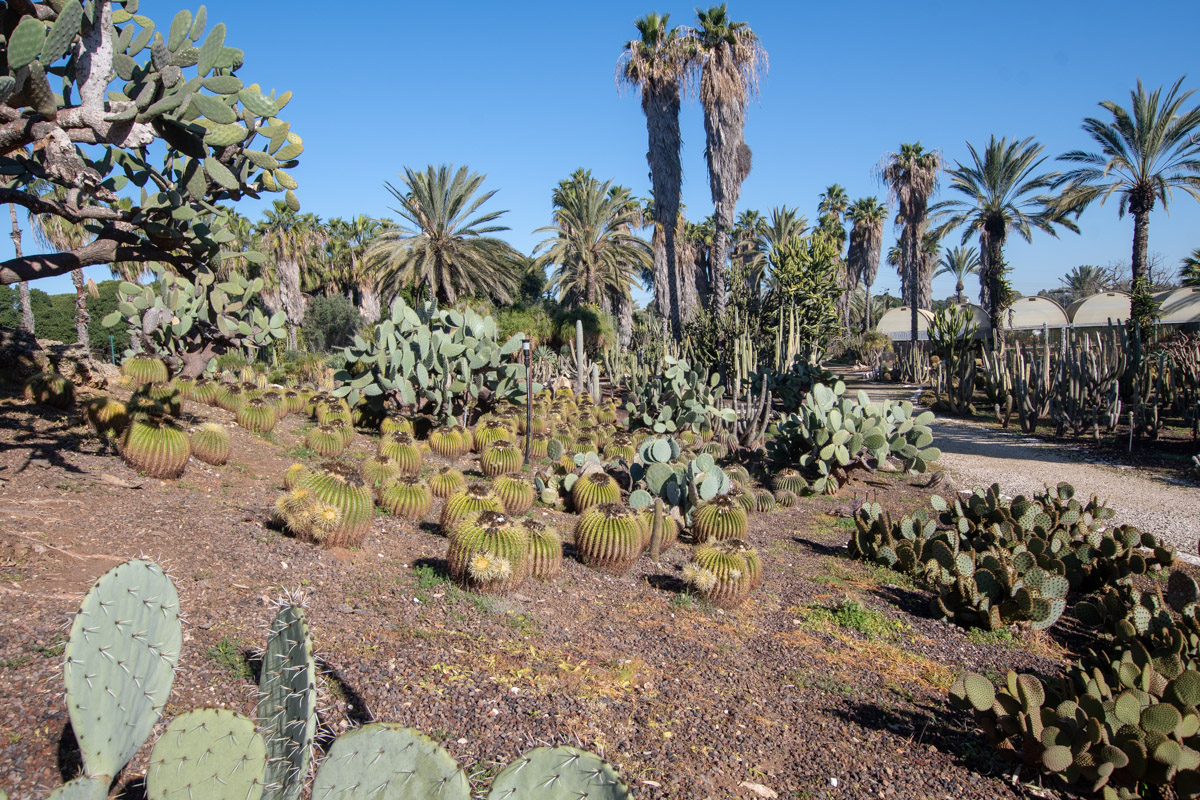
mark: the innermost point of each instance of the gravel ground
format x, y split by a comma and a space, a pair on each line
976, 456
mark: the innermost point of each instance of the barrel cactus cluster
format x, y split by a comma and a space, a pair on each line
993, 561
330, 506
119, 667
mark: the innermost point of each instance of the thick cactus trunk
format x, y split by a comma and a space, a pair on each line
82, 318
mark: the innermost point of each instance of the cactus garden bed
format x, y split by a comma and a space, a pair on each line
830, 681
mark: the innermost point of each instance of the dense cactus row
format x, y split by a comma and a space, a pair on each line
994, 561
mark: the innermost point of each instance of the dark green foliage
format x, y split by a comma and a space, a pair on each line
330, 323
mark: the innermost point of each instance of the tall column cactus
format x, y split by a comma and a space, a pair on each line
287, 701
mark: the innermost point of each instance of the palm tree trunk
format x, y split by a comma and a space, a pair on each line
368, 303
291, 297
1141, 304
728, 165
662, 279
81, 312
867, 300
23, 289
661, 105
958, 293
624, 315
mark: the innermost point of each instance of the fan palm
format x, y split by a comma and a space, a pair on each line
747, 249
656, 64
959, 262
346, 251
59, 234
293, 241
868, 216
592, 244
731, 60
1145, 152
911, 178
439, 245
1083, 281
1189, 272
1004, 191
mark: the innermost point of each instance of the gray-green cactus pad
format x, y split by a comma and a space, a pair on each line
559, 773
211, 753
388, 762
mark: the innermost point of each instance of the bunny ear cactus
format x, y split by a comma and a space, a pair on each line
388, 761
211, 752
287, 701
559, 773
119, 664
189, 321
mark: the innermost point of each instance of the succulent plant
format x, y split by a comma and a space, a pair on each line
608, 537
278, 404
396, 423
720, 572
295, 475
545, 550
166, 394
256, 415
743, 496
738, 473
235, 756
466, 501
670, 529
325, 441
489, 431
144, 369
353, 502
396, 763
204, 391
786, 499
210, 443
50, 389
488, 551
293, 400
764, 501
546, 773
333, 408
229, 396
446, 481
500, 457
287, 701
406, 497
592, 489
447, 442
378, 470
517, 494
404, 450
156, 445
106, 416
789, 480
119, 665
719, 519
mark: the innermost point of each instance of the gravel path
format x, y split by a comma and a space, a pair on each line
977, 456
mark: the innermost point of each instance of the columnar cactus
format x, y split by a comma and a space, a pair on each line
287, 701
155, 445
608, 537
210, 443
488, 552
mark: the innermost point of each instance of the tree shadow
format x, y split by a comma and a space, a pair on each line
47, 445
820, 548
431, 528
910, 601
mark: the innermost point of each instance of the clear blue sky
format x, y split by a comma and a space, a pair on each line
525, 93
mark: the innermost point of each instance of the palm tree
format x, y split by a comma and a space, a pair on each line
1189, 273
1145, 152
1004, 191
23, 288
832, 207
1085, 280
784, 228
747, 250
731, 60
959, 262
592, 244
911, 178
294, 241
656, 64
868, 216
439, 245
346, 251
57, 233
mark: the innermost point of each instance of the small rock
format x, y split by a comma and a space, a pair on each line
761, 790
344, 608
113, 480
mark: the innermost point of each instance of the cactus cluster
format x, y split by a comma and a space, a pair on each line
330, 508
723, 572
676, 399
995, 561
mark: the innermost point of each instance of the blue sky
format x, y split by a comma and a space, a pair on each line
525, 93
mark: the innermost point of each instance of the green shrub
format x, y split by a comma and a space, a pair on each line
330, 323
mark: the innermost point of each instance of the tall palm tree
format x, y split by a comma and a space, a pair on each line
747, 250
694, 253
731, 60
59, 234
592, 244
868, 216
439, 245
960, 262
294, 241
911, 178
1144, 153
23, 288
656, 64
347, 253
1003, 191
1085, 280
832, 207
1189, 272
785, 228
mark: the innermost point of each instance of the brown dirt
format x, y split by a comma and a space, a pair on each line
688, 701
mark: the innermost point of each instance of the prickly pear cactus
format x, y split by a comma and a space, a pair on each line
82, 788
120, 662
212, 752
559, 773
287, 700
387, 761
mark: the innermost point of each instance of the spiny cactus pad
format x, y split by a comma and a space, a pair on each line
559, 773
287, 702
120, 662
212, 752
387, 761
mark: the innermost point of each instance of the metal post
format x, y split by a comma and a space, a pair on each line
528, 397
112, 350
